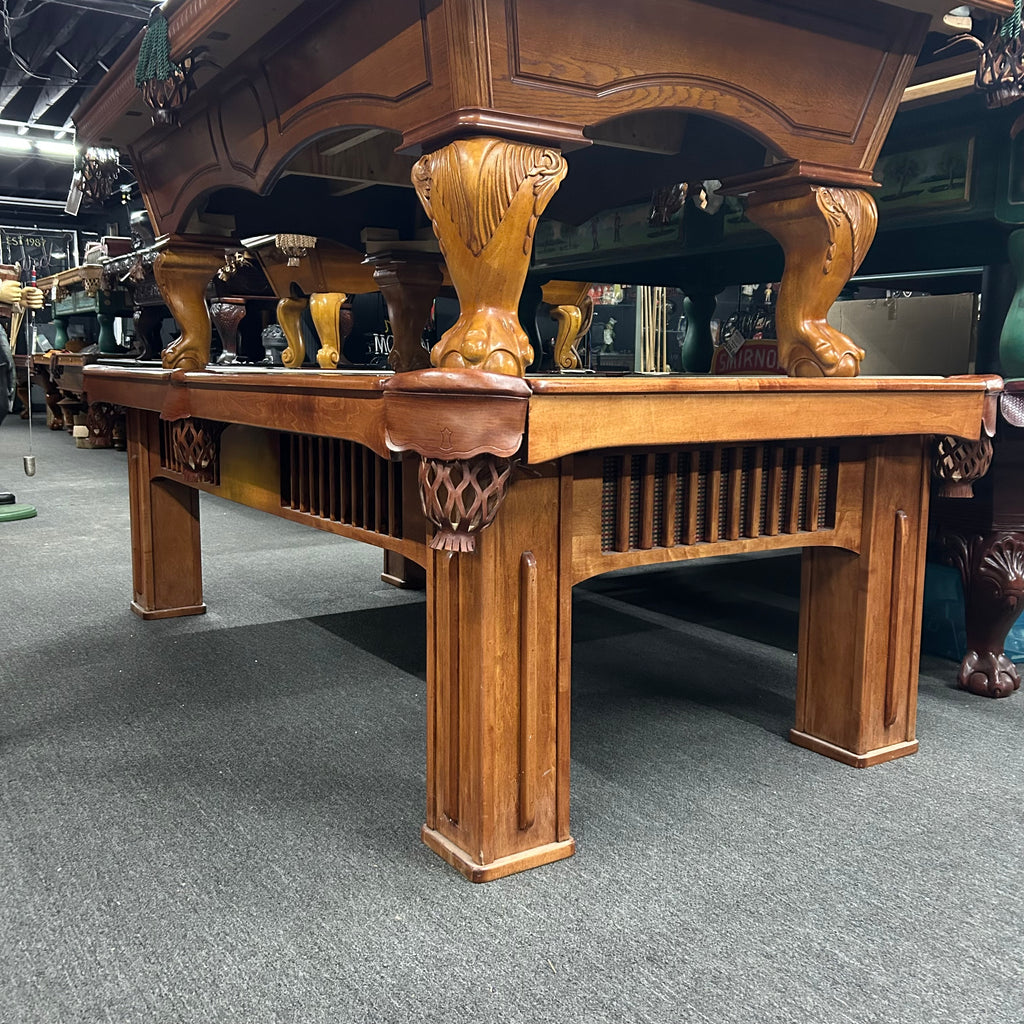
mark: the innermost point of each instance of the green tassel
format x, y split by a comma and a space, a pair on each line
1010, 28
154, 53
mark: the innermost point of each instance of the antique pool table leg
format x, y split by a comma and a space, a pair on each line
498, 665
409, 287
497, 616
992, 570
324, 308
860, 618
289, 316
825, 233
60, 332
167, 574
698, 348
572, 309
183, 271
227, 314
484, 197
399, 570
148, 321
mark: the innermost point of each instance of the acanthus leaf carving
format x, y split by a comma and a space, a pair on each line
484, 197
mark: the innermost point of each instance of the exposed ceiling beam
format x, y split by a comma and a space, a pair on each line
139, 10
39, 58
87, 60
47, 204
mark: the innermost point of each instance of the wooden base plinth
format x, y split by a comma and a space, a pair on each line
503, 865
168, 613
397, 581
403, 572
877, 756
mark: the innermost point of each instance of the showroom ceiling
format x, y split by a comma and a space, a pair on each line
52, 53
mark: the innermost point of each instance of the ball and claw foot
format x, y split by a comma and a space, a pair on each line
988, 675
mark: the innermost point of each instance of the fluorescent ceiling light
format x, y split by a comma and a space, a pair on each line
15, 143
51, 147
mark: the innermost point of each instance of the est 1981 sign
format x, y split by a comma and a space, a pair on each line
45, 250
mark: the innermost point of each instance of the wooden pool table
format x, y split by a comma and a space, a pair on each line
511, 490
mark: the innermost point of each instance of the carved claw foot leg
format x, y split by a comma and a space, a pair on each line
988, 674
484, 197
992, 570
184, 271
825, 234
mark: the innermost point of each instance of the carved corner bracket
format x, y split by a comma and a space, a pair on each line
959, 464
466, 427
461, 497
195, 449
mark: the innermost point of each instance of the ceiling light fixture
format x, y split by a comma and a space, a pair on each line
959, 18
49, 149
52, 147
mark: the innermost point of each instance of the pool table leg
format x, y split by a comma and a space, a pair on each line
860, 617
498, 663
324, 308
167, 572
409, 287
484, 196
992, 570
289, 316
825, 232
183, 272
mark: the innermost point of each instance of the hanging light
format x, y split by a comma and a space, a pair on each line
96, 173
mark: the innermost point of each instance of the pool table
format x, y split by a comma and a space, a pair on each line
463, 118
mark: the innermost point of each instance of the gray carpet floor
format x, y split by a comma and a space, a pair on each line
217, 818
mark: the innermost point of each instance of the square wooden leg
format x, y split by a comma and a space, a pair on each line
167, 572
498, 691
860, 619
